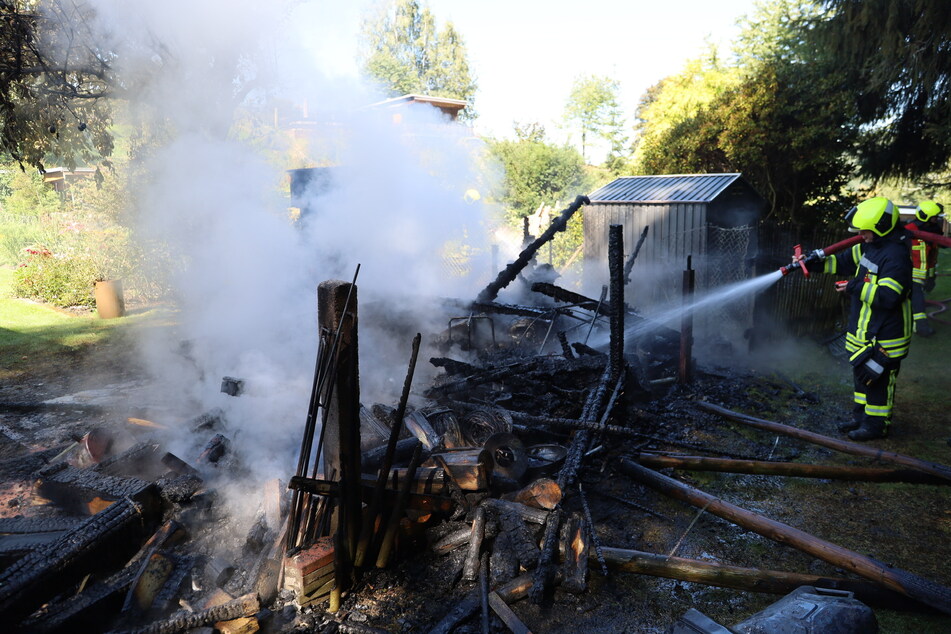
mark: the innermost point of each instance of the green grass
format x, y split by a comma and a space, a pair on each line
36, 336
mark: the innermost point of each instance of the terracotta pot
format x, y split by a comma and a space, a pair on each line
109, 301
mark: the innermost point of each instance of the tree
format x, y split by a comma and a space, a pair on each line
780, 114
593, 107
403, 53
537, 173
54, 84
897, 55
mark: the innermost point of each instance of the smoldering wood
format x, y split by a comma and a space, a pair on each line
73, 487
331, 489
484, 590
575, 547
94, 545
570, 297
168, 531
246, 605
511, 271
138, 459
909, 584
520, 537
26, 525
170, 590
565, 347
543, 493
579, 445
505, 613
503, 562
527, 513
510, 592
508, 309
939, 470
181, 488
546, 567
373, 511
215, 449
793, 469
470, 566
749, 579
589, 527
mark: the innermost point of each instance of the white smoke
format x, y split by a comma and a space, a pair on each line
246, 286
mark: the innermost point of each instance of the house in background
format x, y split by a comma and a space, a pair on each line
711, 218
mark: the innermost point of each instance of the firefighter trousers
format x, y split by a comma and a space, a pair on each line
918, 301
877, 397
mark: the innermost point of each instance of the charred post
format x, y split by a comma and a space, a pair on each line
685, 370
337, 312
616, 268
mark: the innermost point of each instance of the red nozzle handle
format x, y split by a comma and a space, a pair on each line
797, 251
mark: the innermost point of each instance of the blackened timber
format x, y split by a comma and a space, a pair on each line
366, 530
616, 270
246, 605
509, 309
470, 567
794, 469
570, 297
337, 312
939, 470
579, 444
389, 537
71, 486
565, 348
547, 559
748, 579
510, 592
685, 367
907, 583
630, 261
511, 271
99, 541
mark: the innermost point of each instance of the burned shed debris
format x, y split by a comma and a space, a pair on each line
518, 489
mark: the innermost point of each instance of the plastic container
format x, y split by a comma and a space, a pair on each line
810, 610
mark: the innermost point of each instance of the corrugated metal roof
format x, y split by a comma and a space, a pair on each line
669, 188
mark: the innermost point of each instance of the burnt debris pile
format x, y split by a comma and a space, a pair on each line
529, 468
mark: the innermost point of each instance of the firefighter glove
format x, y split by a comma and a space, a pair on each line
928, 286
871, 364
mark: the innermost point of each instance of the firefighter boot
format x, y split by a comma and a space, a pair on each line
846, 427
923, 328
872, 427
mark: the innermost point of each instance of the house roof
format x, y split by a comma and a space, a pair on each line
439, 102
669, 188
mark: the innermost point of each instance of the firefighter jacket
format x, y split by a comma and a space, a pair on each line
924, 255
880, 294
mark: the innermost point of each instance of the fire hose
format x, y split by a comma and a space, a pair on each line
820, 254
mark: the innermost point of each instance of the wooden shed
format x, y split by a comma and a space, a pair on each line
710, 217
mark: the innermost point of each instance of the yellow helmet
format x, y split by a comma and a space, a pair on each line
878, 215
928, 209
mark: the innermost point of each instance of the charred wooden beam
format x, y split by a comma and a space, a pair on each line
246, 605
470, 567
138, 459
25, 525
575, 547
97, 543
510, 592
902, 581
793, 469
509, 309
570, 297
546, 568
373, 459
939, 470
527, 513
748, 579
389, 537
329, 488
511, 271
75, 488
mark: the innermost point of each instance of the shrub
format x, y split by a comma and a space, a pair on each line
57, 280
15, 237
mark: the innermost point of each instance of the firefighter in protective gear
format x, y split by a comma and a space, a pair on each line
879, 328
924, 259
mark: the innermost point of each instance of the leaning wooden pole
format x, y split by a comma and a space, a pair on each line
685, 368
902, 581
507, 275
337, 312
793, 469
616, 271
940, 470
747, 579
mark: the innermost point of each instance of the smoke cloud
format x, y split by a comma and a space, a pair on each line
214, 192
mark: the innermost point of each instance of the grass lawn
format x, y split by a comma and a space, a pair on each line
34, 335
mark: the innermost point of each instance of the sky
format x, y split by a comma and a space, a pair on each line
526, 54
